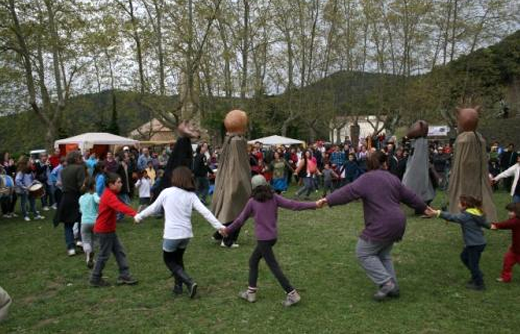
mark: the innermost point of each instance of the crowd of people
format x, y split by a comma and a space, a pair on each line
90, 194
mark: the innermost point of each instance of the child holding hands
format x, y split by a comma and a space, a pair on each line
89, 206
178, 203
471, 219
263, 206
105, 229
512, 256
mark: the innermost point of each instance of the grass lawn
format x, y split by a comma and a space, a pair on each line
50, 291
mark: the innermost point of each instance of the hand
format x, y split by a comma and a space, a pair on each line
430, 212
137, 219
223, 232
493, 227
321, 203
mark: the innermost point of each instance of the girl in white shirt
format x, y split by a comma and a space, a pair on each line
178, 203
144, 184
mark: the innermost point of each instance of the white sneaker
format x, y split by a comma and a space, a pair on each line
54, 207
79, 244
233, 245
38, 217
71, 252
45, 208
27, 219
7, 215
14, 215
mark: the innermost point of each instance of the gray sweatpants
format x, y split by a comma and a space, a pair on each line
375, 258
87, 237
109, 243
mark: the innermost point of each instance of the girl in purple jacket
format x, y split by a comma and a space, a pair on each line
263, 206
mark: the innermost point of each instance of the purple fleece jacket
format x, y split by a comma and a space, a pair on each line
266, 215
381, 193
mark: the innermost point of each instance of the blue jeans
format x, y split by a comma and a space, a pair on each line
308, 187
516, 198
48, 198
24, 198
69, 235
202, 183
125, 199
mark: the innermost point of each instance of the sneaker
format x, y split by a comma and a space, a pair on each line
177, 289
233, 245
90, 261
71, 252
476, 287
7, 215
54, 207
501, 280
292, 298
45, 208
385, 290
27, 219
128, 280
79, 244
14, 215
38, 217
101, 283
248, 295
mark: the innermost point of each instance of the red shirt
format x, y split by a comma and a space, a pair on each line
54, 160
109, 206
512, 224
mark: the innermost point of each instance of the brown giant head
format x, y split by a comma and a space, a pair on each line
418, 129
236, 121
467, 119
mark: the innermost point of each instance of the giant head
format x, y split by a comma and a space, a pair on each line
467, 119
418, 129
236, 121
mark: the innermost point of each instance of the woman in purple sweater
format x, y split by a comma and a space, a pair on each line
385, 222
263, 206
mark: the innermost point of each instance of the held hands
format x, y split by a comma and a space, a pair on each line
493, 227
137, 219
430, 212
321, 203
223, 232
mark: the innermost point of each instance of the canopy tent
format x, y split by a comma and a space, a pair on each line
277, 140
87, 141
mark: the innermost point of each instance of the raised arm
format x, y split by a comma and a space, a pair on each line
294, 205
210, 218
151, 209
242, 217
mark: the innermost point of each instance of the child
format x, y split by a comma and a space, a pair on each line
471, 219
150, 171
105, 229
263, 206
513, 255
144, 184
328, 176
88, 206
351, 169
178, 202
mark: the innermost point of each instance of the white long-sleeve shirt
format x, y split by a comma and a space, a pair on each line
178, 205
144, 185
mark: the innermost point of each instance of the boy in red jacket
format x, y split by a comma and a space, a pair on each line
512, 256
105, 230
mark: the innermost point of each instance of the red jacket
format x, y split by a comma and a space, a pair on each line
512, 224
109, 206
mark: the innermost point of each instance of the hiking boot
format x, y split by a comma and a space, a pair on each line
476, 287
128, 280
292, 298
100, 283
248, 295
177, 289
385, 290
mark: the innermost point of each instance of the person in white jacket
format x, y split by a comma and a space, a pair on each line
178, 203
513, 171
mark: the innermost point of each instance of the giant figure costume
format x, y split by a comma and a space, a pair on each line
469, 173
417, 174
233, 180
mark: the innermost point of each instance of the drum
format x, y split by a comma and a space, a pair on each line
36, 189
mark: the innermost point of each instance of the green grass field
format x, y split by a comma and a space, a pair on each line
51, 294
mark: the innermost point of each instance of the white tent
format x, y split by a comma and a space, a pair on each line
87, 140
277, 140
